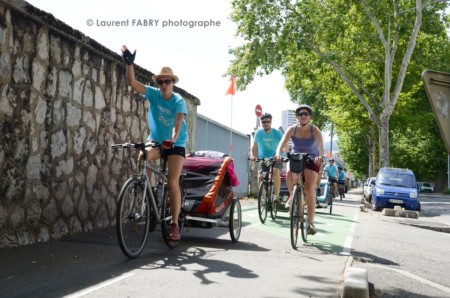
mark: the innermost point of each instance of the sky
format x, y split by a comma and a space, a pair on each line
198, 55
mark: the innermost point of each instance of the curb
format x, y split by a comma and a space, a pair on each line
356, 281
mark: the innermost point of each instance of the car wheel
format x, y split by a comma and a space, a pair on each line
418, 207
375, 208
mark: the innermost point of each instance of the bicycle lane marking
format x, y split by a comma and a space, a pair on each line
334, 232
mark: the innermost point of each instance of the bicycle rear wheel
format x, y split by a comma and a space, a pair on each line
295, 216
166, 219
262, 201
132, 218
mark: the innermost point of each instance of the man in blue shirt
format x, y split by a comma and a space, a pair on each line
331, 171
265, 144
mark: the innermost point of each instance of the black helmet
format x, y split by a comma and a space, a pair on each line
265, 116
304, 107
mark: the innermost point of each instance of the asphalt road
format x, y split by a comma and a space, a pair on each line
402, 260
406, 257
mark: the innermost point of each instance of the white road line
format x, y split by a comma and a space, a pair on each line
348, 241
99, 286
413, 276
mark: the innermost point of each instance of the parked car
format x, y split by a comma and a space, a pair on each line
426, 187
368, 187
395, 187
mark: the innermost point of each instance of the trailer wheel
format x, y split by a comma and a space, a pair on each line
235, 221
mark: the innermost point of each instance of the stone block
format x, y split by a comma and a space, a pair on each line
388, 212
356, 283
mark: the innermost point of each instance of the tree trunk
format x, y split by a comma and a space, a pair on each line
371, 146
383, 130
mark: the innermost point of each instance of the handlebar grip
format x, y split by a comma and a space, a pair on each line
168, 144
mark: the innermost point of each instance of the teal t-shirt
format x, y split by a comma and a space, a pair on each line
267, 142
331, 170
161, 116
341, 176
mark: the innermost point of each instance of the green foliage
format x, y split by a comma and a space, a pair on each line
446, 191
333, 59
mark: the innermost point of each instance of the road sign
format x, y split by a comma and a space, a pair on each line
437, 86
258, 111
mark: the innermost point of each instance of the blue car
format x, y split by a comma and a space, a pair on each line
395, 187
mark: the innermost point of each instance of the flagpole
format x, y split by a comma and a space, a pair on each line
231, 126
231, 90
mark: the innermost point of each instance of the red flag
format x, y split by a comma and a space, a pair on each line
231, 88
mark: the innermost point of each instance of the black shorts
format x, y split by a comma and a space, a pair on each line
332, 179
341, 182
177, 150
263, 168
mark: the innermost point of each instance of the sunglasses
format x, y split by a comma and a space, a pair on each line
167, 82
264, 122
303, 114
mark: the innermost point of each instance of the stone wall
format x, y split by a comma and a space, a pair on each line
64, 101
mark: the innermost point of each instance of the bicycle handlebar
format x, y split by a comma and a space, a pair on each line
309, 159
141, 146
263, 159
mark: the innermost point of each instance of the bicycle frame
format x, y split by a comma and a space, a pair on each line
161, 176
268, 177
144, 178
300, 183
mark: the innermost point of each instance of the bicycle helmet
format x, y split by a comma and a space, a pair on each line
265, 116
304, 107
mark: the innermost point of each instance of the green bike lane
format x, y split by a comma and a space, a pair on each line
334, 231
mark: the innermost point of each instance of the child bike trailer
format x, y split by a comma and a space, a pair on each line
209, 198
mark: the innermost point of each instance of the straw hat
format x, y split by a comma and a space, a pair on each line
165, 72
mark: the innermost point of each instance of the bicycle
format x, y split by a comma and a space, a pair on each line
341, 190
143, 204
299, 216
330, 197
265, 193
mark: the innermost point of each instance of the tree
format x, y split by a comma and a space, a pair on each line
367, 44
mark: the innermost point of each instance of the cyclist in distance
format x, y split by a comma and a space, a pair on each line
265, 144
341, 179
166, 122
308, 139
331, 171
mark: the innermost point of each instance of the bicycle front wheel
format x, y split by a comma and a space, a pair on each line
271, 203
132, 218
304, 224
295, 215
330, 203
262, 201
